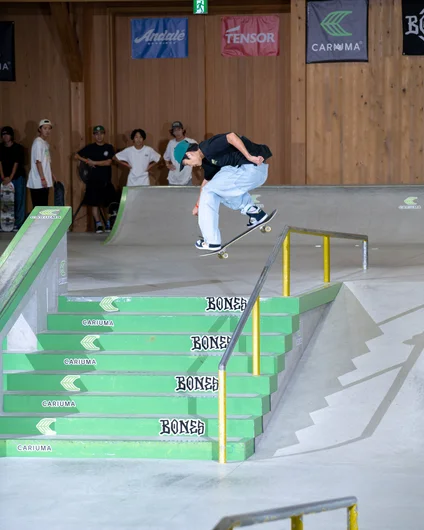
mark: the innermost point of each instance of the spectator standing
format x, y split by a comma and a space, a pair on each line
12, 170
41, 176
139, 158
99, 192
177, 177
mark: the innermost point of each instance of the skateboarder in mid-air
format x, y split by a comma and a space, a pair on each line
232, 166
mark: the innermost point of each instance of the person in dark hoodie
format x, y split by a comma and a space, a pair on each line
12, 170
232, 166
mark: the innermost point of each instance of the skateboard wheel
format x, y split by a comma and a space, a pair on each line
268, 229
225, 255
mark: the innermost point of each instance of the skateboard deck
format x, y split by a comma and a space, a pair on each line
7, 204
59, 194
263, 226
84, 171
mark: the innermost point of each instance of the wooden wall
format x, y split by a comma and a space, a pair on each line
365, 120
210, 94
251, 96
42, 89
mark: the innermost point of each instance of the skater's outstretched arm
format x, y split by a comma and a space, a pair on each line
236, 142
196, 208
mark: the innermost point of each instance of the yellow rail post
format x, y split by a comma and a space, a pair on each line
326, 255
222, 416
256, 337
286, 265
297, 522
353, 517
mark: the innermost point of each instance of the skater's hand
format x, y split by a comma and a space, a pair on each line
196, 210
257, 160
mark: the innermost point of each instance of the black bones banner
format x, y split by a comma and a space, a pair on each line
413, 27
7, 51
337, 31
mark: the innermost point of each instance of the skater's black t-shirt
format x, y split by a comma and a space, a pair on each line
9, 156
219, 153
99, 153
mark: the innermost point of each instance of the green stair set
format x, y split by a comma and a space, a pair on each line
136, 377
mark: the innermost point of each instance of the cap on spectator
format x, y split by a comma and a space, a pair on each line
98, 128
7, 130
45, 122
177, 124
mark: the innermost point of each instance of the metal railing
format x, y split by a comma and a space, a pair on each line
295, 513
253, 305
326, 235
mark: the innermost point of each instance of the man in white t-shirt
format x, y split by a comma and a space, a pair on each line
139, 159
40, 178
175, 176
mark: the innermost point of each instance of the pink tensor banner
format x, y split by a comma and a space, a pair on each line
250, 36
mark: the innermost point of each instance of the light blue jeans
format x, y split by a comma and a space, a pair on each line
229, 187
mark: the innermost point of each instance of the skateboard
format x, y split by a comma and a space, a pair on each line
7, 201
59, 194
263, 227
84, 171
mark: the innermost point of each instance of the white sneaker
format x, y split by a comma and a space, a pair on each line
256, 216
202, 245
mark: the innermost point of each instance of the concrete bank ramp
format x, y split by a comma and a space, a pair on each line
152, 216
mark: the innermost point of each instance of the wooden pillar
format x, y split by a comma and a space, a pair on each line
298, 92
80, 115
78, 141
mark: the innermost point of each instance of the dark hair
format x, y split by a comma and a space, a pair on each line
135, 131
8, 130
193, 147
171, 132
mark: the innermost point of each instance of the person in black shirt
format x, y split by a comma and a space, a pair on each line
12, 170
99, 191
232, 166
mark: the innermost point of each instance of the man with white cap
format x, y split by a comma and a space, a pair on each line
177, 176
41, 177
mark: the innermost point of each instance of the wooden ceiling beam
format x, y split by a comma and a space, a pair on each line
280, 6
69, 40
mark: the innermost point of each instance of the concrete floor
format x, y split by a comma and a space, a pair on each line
350, 423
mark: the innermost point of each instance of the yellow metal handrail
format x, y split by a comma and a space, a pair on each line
253, 307
295, 513
326, 235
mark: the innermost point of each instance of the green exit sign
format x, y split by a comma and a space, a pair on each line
200, 7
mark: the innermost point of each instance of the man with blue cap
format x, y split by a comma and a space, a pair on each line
232, 165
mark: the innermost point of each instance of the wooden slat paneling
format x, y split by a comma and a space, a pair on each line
297, 75
150, 94
365, 120
251, 96
42, 89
